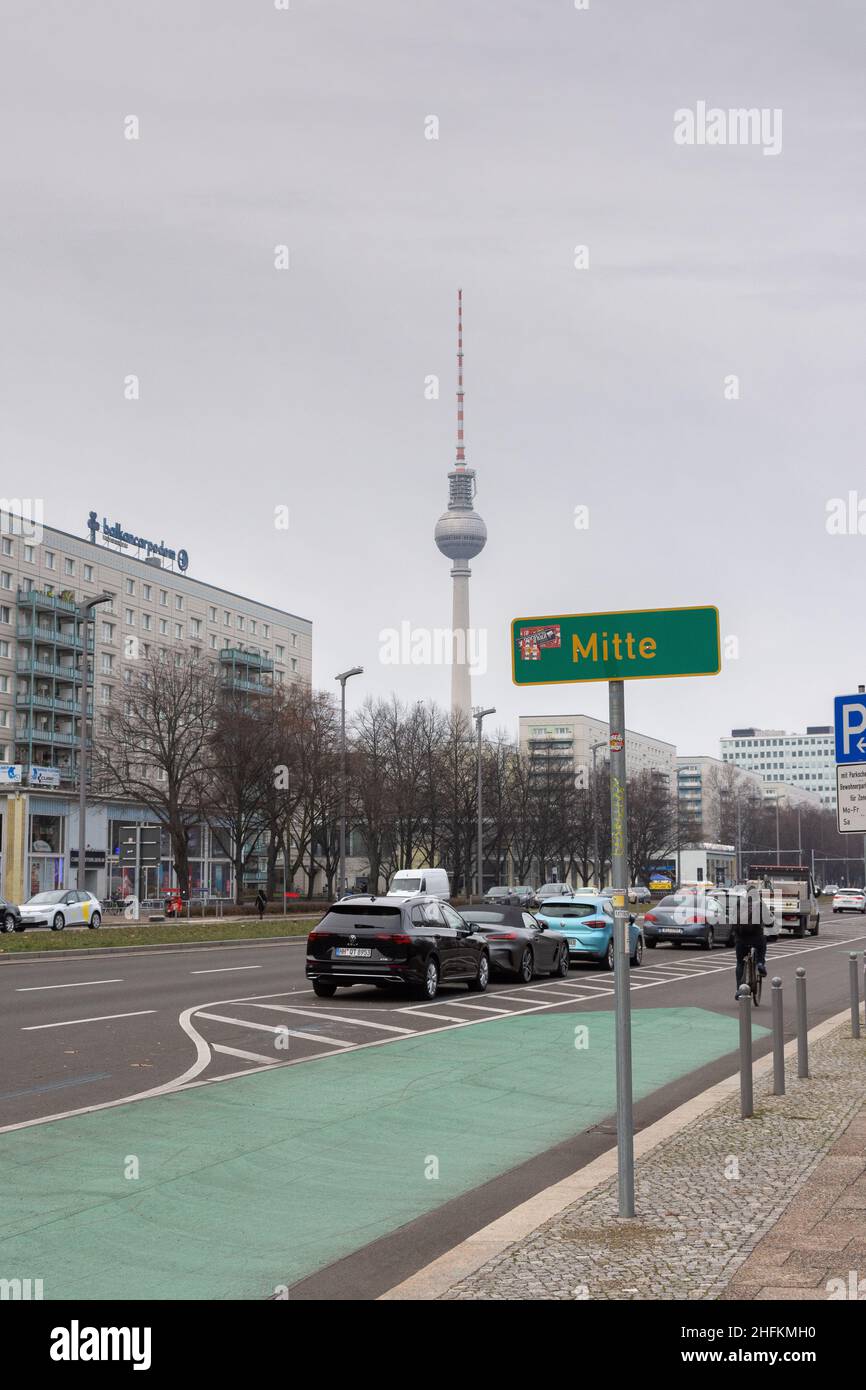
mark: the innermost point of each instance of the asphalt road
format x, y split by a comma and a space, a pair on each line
84, 1033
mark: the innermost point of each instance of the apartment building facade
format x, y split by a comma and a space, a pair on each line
567, 741
50, 670
803, 761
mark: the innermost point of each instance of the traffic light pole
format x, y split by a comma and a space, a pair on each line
622, 952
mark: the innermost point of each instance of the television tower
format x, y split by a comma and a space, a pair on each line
461, 535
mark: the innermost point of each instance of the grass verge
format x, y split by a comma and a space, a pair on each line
152, 934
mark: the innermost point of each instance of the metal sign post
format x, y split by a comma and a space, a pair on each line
621, 948
555, 649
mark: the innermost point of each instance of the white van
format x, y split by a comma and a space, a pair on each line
408, 881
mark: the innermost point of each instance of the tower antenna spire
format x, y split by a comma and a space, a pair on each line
460, 535
461, 453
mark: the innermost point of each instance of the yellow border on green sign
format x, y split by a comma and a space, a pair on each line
588, 680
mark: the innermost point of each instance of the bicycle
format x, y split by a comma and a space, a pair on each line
752, 977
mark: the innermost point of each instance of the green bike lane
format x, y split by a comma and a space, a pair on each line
231, 1190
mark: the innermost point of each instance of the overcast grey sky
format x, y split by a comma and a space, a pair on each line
601, 387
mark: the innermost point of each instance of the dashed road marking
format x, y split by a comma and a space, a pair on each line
224, 969
74, 984
68, 1022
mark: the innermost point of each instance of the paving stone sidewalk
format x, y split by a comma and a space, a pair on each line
771, 1207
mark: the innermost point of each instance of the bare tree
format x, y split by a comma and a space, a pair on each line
157, 752
521, 795
370, 791
240, 776
650, 827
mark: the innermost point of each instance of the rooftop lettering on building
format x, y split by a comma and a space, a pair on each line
116, 532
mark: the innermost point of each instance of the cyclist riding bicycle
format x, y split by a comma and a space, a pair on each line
748, 913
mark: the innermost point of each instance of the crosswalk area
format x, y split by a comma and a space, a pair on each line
272, 1030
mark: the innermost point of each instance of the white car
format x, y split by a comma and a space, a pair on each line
62, 908
849, 900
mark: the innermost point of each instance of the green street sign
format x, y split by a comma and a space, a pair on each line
645, 644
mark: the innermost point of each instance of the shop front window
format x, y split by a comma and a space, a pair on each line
46, 865
220, 879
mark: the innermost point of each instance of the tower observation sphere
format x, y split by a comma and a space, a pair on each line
461, 534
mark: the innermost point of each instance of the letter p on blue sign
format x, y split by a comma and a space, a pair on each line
850, 725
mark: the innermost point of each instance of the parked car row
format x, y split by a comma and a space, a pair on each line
522, 895
419, 942
56, 909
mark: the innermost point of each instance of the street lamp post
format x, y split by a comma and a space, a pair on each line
478, 716
594, 808
342, 678
85, 614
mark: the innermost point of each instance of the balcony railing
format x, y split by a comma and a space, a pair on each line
52, 636
47, 668
29, 733
43, 598
237, 657
239, 683
28, 699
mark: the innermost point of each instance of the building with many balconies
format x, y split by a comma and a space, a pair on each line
47, 674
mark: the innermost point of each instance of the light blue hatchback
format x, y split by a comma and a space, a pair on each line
587, 921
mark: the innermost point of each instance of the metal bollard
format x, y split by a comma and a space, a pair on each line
854, 981
778, 1038
802, 1026
744, 995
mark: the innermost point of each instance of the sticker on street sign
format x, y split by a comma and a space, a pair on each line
849, 713
851, 799
616, 743
639, 645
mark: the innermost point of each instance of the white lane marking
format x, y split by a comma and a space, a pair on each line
76, 984
449, 1018
593, 984
68, 1022
334, 1018
541, 989
223, 969
245, 1056
275, 1028
483, 1008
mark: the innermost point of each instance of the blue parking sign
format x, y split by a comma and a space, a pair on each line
850, 722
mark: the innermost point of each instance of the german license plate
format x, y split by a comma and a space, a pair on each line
671, 931
353, 951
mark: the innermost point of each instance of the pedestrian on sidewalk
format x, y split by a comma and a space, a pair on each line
261, 903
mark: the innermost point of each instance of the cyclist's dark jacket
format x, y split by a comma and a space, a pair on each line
748, 913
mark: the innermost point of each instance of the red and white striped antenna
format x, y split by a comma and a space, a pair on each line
461, 455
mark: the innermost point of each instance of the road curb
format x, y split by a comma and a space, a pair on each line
436, 1278
91, 952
